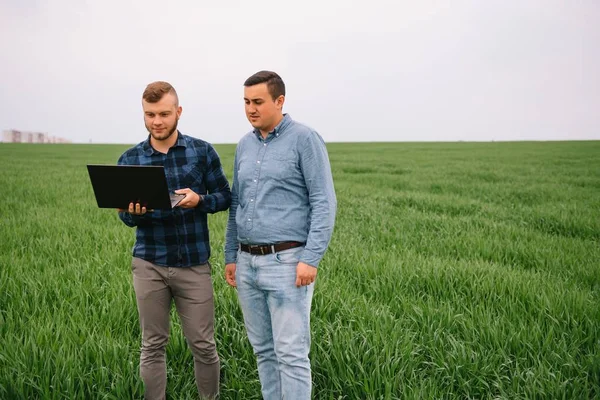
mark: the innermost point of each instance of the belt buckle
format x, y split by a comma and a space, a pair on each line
261, 249
256, 249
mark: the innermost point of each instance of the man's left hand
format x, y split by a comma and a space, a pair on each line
305, 274
191, 199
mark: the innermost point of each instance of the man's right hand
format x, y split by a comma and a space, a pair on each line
230, 274
135, 209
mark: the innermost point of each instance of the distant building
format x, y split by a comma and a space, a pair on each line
16, 136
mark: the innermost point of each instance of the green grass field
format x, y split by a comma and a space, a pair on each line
456, 270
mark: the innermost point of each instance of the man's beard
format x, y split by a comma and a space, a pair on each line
169, 133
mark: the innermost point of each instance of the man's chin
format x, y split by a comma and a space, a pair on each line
162, 135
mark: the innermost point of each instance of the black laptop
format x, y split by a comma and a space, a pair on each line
115, 186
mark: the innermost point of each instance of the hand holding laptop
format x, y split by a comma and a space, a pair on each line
134, 209
191, 199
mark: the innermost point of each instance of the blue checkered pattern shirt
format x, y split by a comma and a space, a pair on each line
179, 237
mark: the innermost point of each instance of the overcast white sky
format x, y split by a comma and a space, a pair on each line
372, 70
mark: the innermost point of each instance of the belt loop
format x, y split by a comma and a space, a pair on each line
273, 248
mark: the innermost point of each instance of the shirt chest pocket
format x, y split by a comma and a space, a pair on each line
281, 157
280, 166
193, 176
272, 166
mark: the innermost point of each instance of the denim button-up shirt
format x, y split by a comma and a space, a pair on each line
282, 191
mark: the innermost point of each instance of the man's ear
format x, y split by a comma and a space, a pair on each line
279, 101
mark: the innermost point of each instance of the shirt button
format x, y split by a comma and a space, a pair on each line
254, 180
265, 144
258, 162
249, 219
251, 199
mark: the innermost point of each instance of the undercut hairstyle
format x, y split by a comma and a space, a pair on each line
274, 82
156, 90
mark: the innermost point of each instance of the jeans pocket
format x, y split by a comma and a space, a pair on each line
291, 256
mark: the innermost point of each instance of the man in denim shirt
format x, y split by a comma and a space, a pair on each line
281, 219
171, 252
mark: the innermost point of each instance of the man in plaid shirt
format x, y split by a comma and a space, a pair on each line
172, 250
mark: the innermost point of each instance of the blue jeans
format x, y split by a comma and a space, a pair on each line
277, 318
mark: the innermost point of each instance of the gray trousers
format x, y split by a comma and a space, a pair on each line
191, 288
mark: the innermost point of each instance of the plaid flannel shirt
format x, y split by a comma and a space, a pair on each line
179, 237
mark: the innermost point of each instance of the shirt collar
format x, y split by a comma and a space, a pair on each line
278, 130
149, 150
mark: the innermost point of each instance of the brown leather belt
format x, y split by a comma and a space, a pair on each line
264, 249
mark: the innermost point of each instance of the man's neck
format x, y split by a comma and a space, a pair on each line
163, 146
265, 133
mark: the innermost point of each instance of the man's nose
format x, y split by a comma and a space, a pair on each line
157, 121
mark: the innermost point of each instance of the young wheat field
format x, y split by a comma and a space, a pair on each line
456, 270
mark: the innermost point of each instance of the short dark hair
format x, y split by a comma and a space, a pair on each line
156, 90
274, 82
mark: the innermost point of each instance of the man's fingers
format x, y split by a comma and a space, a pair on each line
230, 274
191, 199
305, 274
303, 281
136, 209
230, 278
